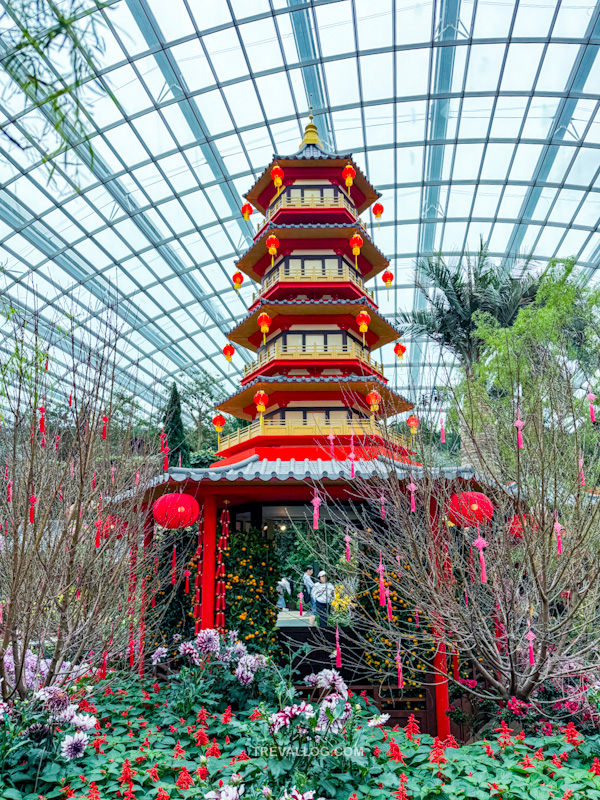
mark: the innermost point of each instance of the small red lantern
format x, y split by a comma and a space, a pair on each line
272, 245
374, 399
238, 279
277, 177
247, 210
356, 243
229, 352
261, 400
387, 278
348, 174
219, 422
176, 511
469, 509
399, 350
363, 320
413, 424
264, 321
378, 210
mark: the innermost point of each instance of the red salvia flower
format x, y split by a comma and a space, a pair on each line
394, 753
213, 750
494, 789
162, 795
97, 744
201, 737
226, 716
489, 750
568, 794
255, 715
145, 743
153, 772
437, 755
376, 751
93, 792
129, 793
127, 773
412, 728
243, 756
572, 735
156, 687
450, 741
556, 761
202, 717
227, 740
184, 780
178, 752
505, 735
202, 773
595, 768
400, 792
539, 755
526, 763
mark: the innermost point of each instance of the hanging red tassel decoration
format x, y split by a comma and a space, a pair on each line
412, 489
174, 566
56, 442
442, 432
137, 477
389, 605
300, 596
558, 528
316, 502
60, 493
71, 399
166, 464
338, 652
9, 486
399, 665
104, 424
519, 426
94, 480
331, 438
187, 574
590, 398
102, 670
530, 636
381, 570
162, 441
32, 502
466, 599
480, 543
581, 473
42, 419
347, 540
382, 502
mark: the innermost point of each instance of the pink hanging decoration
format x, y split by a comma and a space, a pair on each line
56, 442
347, 540
338, 652
71, 399
381, 570
382, 501
94, 480
412, 489
179, 462
530, 636
32, 502
399, 664
300, 608
137, 477
331, 438
590, 398
389, 605
399, 564
162, 441
46, 367
42, 419
316, 502
187, 574
72, 469
112, 473
558, 529
104, 423
416, 617
43, 440
466, 599
352, 455
581, 472
6, 471
442, 432
102, 670
519, 426
480, 543
98, 531
174, 566
60, 493
166, 464
9, 486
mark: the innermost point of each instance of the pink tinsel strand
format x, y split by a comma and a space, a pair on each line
442, 432
389, 605
104, 423
380, 569
300, 608
137, 477
56, 443
466, 599
412, 488
399, 664
338, 652
558, 529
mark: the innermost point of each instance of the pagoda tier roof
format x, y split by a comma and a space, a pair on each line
255, 469
351, 388
326, 235
300, 164
297, 312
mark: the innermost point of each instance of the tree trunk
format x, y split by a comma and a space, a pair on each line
199, 431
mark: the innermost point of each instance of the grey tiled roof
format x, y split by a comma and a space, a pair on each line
251, 469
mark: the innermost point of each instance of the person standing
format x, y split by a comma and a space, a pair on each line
308, 584
323, 593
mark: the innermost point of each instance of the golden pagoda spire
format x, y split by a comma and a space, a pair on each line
311, 134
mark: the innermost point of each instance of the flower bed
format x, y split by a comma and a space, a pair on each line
121, 739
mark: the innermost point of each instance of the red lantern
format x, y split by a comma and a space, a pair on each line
356, 243
261, 400
229, 352
348, 174
363, 320
387, 278
399, 350
469, 509
247, 210
264, 322
374, 399
378, 210
219, 422
413, 424
272, 245
277, 177
238, 279
176, 511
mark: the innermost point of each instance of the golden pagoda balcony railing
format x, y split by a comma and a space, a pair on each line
338, 200
287, 274
299, 352
277, 427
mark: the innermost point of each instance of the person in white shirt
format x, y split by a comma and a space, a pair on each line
323, 593
308, 584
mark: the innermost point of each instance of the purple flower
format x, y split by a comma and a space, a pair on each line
208, 641
187, 649
245, 670
330, 679
328, 721
74, 746
158, 655
283, 718
84, 722
67, 714
311, 680
54, 699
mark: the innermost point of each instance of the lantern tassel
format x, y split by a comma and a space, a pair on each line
380, 569
442, 432
558, 529
519, 426
32, 502
187, 581
102, 671
300, 596
338, 652
104, 423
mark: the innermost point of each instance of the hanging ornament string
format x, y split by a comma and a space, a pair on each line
412, 489
581, 472
389, 604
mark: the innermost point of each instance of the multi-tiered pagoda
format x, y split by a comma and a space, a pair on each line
315, 390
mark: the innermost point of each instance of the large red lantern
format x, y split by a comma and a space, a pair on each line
229, 352
356, 243
399, 350
277, 177
469, 509
261, 400
237, 279
264, 321
413, 424
219, 422
363, 320
176, 511
272, 245
348, 174
374, 399
247, 210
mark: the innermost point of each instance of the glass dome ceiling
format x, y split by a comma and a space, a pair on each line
474, 119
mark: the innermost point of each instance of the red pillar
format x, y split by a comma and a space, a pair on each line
442, 700
207, 614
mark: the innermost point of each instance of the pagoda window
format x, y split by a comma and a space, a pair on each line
312, 268
312, 195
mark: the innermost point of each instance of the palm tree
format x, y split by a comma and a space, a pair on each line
456, 293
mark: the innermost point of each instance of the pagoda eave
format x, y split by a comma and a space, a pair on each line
314, 449
338, 289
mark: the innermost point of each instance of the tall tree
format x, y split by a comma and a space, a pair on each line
200, 393
175, 431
